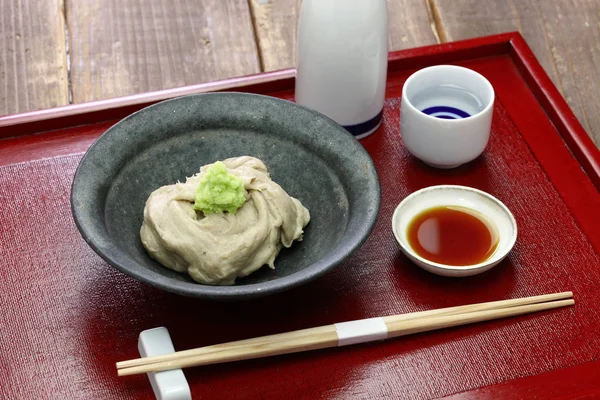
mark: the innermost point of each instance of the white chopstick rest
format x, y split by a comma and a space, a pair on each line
167, 385
361, 331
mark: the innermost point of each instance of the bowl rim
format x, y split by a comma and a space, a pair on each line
495, 258
331, 260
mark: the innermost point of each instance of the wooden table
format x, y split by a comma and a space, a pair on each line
56, 52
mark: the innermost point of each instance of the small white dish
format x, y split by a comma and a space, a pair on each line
446, 115
462, 196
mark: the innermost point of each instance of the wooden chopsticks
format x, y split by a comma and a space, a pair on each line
345, 333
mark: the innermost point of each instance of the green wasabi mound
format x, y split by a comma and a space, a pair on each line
219, 191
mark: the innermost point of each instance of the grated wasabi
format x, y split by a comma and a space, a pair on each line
219, 191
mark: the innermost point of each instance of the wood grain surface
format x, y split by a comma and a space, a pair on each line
564, 35
410, 24
121, 47
276, 23
33, 61
125, 47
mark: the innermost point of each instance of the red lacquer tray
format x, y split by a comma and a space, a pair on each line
66, 316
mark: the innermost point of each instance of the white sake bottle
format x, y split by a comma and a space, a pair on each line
342, 61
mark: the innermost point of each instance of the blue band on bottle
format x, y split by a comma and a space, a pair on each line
364, 127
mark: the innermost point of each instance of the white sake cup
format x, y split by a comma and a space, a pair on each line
446, 115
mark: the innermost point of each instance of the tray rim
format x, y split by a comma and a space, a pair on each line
511, 43
551, 383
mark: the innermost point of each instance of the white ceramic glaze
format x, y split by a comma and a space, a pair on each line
446, 143
450, 195
342, 60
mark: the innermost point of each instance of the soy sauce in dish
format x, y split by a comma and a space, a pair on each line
452, 235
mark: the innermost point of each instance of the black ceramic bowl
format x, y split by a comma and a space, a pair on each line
310, 156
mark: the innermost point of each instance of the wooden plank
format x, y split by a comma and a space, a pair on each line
121, 47
410, 24
276, 23
565, 37
33, 57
